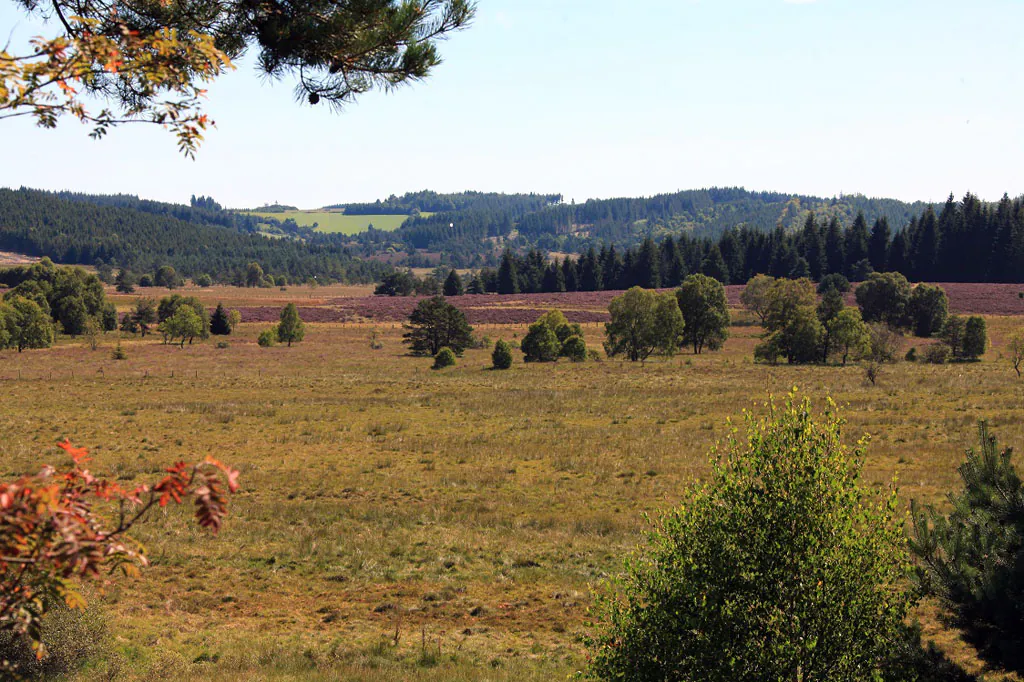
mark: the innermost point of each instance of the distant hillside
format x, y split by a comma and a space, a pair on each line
479, 228
141, 235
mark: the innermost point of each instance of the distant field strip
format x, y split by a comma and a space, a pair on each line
332, 221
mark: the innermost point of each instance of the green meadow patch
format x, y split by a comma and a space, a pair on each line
337, 222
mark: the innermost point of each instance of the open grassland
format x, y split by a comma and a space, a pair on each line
336, 221
402, 524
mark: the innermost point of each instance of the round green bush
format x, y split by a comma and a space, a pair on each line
541, 344
444, 358
268, 337
575, 348
502, 355
937, 354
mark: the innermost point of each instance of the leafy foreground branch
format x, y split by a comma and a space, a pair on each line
52, 533
163, 70
782, 567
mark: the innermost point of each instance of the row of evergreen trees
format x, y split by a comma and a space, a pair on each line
966, 241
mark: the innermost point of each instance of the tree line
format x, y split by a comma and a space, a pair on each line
967, 241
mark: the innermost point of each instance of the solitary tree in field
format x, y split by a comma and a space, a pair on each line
643, 322
436, 324
290, 328
150, 61
220, 323
501, 358
705, 312
973, 557
61, 526
784, 566
167, 276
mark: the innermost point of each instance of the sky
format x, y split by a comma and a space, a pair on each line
911, 99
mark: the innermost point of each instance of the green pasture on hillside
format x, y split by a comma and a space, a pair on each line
334, 221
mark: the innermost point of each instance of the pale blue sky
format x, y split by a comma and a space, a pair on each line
593, 98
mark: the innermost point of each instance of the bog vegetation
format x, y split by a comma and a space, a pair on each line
450, 527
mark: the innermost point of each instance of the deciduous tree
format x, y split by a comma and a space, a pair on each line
705, 312
643, 322
850, 337
884, 298
184, 324
784, 566
755, 295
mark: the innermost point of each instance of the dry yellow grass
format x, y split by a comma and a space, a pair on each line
469, 511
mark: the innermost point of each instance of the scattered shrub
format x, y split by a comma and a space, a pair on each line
119, 353
541, 344
444, 358
268, 337
911, 355
502, 356
223, 344
937, 354
975, 337
575, 348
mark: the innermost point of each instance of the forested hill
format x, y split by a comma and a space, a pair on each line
118, 231
467, 236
